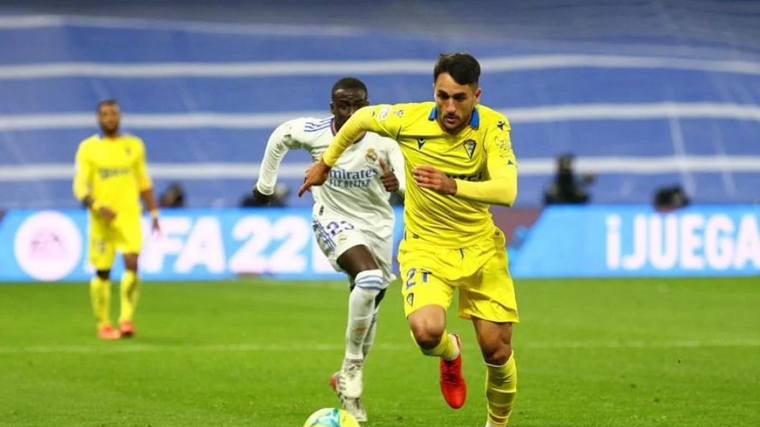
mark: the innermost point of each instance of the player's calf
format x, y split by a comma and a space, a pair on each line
495, 341
361, 309
369, 340
129, 291
368, 285
100, 296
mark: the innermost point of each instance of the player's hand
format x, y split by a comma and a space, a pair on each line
433, 179
107, 214
388, 178
260, 198
156, 226
316, 174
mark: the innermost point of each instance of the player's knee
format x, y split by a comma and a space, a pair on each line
427, 334
496, 353
358, 260
130, 262
103, 274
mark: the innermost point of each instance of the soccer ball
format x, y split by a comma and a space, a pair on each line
331, 417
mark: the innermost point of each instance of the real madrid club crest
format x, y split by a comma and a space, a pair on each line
469, 146
371, 155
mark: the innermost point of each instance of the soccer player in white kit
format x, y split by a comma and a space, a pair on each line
352, 219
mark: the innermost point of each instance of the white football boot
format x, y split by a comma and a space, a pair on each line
347, 383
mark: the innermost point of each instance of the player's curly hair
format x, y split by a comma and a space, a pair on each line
349, 83
462, 67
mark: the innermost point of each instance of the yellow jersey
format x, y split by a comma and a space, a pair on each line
480, 158
113, 172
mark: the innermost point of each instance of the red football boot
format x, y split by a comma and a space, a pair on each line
453, 386
127, 329
108, 333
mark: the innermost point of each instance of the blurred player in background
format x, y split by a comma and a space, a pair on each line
111, 176
460, 157
352, 219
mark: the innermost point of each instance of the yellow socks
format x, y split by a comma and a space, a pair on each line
446, 349
100, 296
501, 388
130, 293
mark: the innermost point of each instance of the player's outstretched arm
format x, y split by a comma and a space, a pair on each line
278, 145
374, 118
363, 120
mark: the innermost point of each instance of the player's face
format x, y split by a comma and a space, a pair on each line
345, 103
455, 102
108, 118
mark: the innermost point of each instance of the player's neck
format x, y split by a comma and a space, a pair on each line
110, 135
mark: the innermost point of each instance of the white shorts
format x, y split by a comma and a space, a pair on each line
337, 235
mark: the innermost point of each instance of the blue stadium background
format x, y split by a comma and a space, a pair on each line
646, 94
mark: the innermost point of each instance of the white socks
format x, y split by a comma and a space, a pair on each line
361, 311
370, 338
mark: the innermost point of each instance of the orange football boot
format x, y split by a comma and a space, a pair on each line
453, 386
127, 329
108, 333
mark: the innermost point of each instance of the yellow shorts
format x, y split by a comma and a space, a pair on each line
124, 234
430, 274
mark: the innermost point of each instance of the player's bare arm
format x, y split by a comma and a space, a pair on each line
388, 178
150, 203
316, 174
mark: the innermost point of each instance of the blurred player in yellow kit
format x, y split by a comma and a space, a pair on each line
458, 160
111, 176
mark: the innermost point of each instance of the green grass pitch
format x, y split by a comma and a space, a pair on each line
613, 353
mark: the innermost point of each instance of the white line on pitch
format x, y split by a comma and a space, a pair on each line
254, 347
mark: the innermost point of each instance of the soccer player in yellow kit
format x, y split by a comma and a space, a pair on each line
111, 175
458, 161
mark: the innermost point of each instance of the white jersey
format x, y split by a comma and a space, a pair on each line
353, 189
